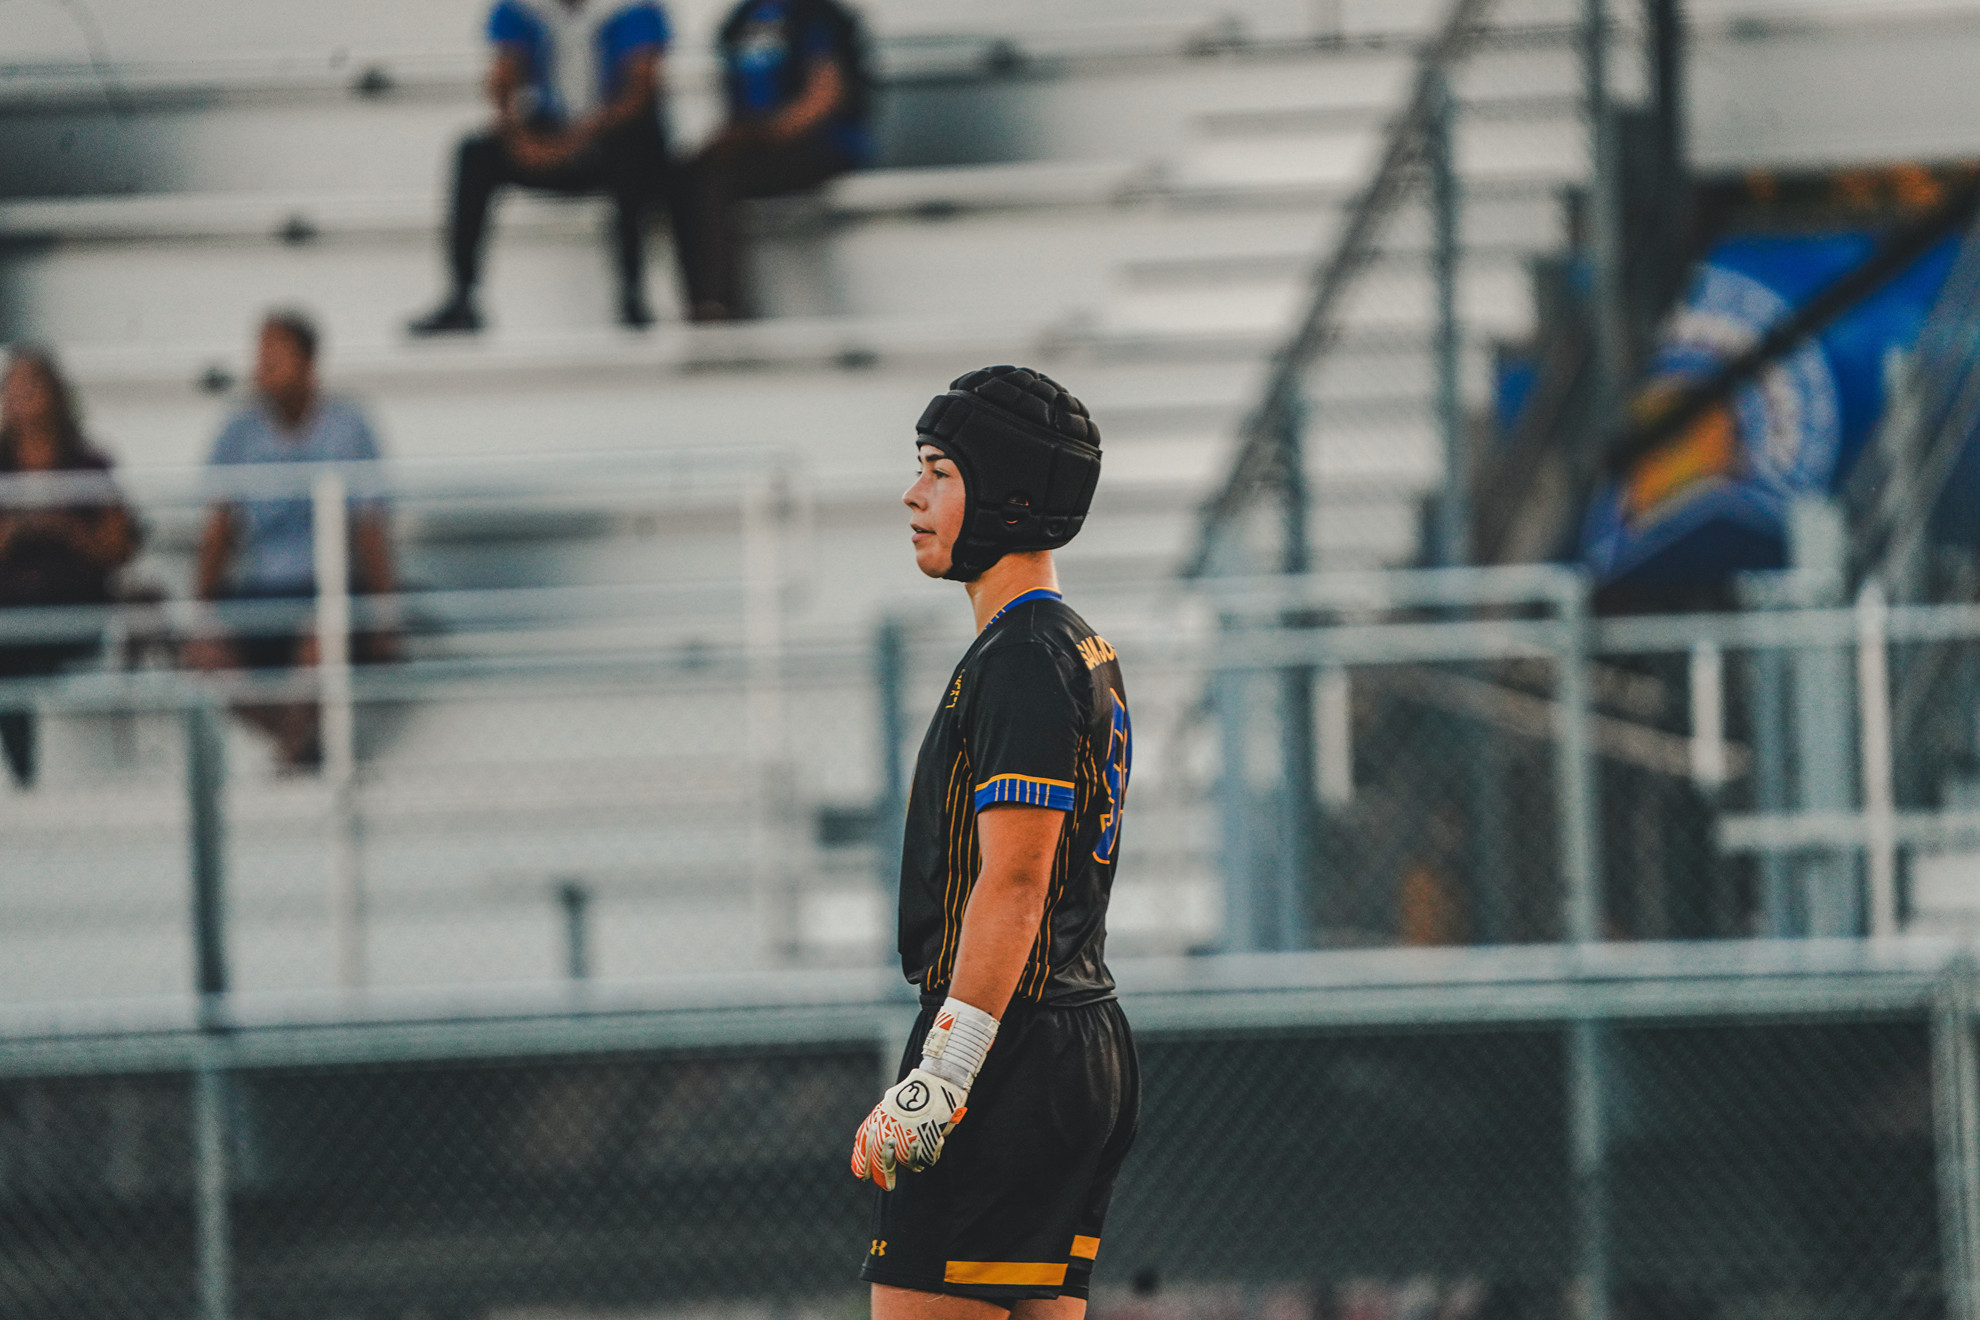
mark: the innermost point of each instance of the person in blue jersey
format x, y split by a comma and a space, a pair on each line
575, 86
795, 83
1012, 835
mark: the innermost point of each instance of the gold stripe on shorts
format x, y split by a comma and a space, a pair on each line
1024, 1273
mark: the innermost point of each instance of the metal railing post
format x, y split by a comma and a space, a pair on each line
1576, 790
1610, 312
337, 726
1707, 684
1298, 770
1873, 698
1956, 1124
1454, 506
1823, 721
574, 899
775, 899
890, 662
206, 837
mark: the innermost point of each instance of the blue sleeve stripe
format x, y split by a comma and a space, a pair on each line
1054, 794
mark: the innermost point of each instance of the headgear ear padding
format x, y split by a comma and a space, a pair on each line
1029, 456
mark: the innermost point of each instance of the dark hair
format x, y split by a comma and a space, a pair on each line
72, 450
297, 325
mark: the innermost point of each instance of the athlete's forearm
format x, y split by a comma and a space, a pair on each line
1000, 926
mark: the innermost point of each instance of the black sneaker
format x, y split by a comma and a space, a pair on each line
456, 316
634, 314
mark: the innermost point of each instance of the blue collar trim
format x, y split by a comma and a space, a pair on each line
1036, 593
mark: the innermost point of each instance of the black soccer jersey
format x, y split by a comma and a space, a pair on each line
1035, 713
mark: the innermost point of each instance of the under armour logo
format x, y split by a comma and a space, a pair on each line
913, 1096
879, 1248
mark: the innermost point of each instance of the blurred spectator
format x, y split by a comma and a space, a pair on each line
265, 548
574, 85
61, 554
795, 76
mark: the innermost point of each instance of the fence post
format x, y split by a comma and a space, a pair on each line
206, 837
1956, 1120
337, 727
1580, 828
1588, 1165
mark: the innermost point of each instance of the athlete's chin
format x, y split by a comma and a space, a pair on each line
932, 560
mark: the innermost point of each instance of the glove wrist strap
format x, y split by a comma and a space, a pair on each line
958, 1042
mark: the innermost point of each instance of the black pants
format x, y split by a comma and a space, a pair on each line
17, 734
630, 165
707, 236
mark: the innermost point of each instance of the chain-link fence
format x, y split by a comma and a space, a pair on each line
1722, 1138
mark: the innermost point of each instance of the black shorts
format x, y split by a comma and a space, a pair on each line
1014, 1207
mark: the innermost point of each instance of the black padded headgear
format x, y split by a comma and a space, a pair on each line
1029, 456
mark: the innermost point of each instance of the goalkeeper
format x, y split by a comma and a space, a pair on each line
1013, 828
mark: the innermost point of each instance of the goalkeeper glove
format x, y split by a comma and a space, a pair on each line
913, 1119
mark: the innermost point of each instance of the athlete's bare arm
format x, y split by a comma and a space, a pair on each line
1017, 844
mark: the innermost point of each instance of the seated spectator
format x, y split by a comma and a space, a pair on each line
795, 77
50, 554
576, 111
265, 548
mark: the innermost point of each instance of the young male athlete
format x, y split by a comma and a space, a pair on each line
1012, 831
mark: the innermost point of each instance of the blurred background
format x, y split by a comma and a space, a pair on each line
455, 767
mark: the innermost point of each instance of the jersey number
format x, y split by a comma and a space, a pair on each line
1120, 756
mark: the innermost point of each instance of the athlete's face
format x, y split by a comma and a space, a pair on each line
935, 512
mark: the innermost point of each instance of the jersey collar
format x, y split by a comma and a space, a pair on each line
1036, 593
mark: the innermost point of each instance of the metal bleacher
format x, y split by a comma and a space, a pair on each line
1130, 196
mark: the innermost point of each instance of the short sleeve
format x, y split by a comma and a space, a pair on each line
635, 28
358, 444
235, 443
508, 25
229, 447
362, 443
1023, 728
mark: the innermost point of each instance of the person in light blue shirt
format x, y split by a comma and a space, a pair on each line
259, 547
574, 85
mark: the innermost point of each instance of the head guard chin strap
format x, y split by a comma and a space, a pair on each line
1029, 457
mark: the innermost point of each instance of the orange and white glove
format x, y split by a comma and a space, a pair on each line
914, 1118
